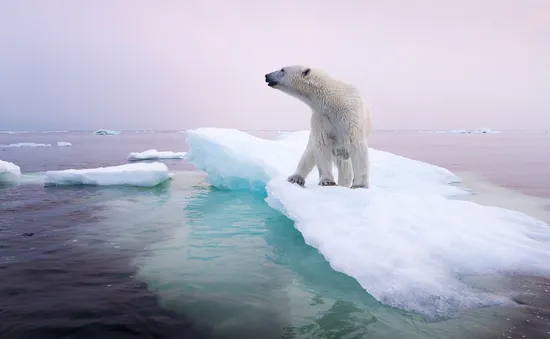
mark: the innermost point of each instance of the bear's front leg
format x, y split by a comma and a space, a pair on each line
323, 160
305, 165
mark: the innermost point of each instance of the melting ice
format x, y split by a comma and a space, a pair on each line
405, 240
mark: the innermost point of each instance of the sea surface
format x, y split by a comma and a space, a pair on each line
185, 260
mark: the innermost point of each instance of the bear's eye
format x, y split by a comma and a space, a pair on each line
282, 70
306, 71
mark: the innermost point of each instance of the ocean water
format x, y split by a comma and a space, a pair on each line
185, 260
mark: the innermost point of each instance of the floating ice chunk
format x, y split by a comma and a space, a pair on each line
153, 154
138, 174
9, 173
106, 132
404, 240
64, 144
27, 144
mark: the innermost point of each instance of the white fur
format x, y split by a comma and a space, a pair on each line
340, 125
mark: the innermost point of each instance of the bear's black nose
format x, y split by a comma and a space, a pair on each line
267, 78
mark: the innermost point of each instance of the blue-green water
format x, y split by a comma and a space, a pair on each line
229, 261
240, 269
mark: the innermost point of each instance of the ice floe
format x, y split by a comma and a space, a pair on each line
406, 240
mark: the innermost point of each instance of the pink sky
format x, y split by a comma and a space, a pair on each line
133, 64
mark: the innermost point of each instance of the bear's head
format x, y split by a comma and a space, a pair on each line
298, 81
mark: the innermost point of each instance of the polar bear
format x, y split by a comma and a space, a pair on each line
340, 126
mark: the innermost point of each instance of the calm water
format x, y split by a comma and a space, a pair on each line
184, 260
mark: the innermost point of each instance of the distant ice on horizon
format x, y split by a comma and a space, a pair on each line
14, 132
26, 144
64, 144
465, 131
145, 131
23, 132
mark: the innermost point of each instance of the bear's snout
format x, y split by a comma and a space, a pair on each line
269, 79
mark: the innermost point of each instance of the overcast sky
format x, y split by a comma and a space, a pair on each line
133, 64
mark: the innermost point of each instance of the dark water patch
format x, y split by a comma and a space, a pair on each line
531, 316
53, 286
82, 297
533, 293
49, 216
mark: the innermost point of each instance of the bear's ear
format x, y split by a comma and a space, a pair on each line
306, 71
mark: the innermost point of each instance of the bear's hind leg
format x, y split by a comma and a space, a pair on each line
323, 160
360, 165
345, 173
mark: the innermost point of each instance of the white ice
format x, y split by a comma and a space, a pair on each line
26, 144
405, 240
238, 160
106, 132
64, 144
153, 154
9, 172
136, 174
